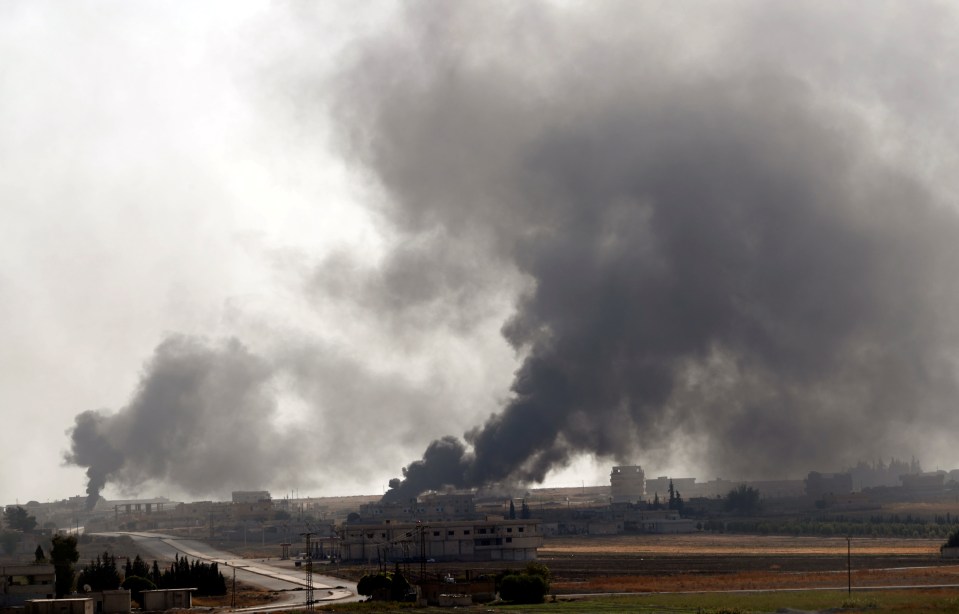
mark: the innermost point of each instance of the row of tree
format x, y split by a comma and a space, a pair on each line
103, 574
528, 585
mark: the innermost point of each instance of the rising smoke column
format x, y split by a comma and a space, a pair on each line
199, 419
720, 256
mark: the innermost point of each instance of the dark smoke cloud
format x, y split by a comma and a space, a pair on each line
727, 228
726, 251
200, 419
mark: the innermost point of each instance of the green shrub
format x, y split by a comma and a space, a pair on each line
523, 588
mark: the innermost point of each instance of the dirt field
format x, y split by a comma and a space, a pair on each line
724, 544
655, 563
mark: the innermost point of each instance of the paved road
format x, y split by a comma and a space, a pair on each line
257, 572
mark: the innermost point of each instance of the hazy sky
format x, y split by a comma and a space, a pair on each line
288, 244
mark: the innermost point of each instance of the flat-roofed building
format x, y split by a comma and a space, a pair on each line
492, 539
627, 484
20, 583
250, 496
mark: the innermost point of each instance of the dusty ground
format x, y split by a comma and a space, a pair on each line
725, 562
654, 563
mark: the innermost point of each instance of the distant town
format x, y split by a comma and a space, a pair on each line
488, 525
478, 528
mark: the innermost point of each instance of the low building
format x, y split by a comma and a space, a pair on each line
250, 496
59, 606
685, 487
111, 602
21, 583
930, 480
167, 599
658, 521
492, 539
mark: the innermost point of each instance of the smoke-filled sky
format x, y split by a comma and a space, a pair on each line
305, 245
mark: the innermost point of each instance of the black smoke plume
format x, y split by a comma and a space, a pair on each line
200, 419
724, 260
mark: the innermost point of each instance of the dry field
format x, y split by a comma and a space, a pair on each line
725, 544
707, 562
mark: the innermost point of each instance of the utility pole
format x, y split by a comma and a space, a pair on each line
234, 588
849, 563
309, 571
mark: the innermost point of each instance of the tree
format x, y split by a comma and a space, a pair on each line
399, 587
18, 519
512, 510
372, 585
138, 568
524, 513
100, 575
63, 554
206, 578
136, 585
743, 499
38, 556
523, 588
535, 568
953, 540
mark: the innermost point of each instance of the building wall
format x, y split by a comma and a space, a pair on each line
479, 540
627, 484
168, 599
250, 496
59, 606
20, 583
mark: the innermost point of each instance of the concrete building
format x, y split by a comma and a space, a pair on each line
111, 602
250, 496
433, 506
660, 521
627, 484
168, 599
492, 539
59, 606
660, 486
137, 507
21, 583
930, 480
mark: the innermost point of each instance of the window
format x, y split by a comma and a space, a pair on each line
450, 533
466, 531
482, 531
521, 529
509, 540
436, 533
509, 529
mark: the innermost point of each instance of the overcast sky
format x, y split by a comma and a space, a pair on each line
278, 245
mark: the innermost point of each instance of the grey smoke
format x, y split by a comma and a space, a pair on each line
731, 225
200, 417
729, 248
